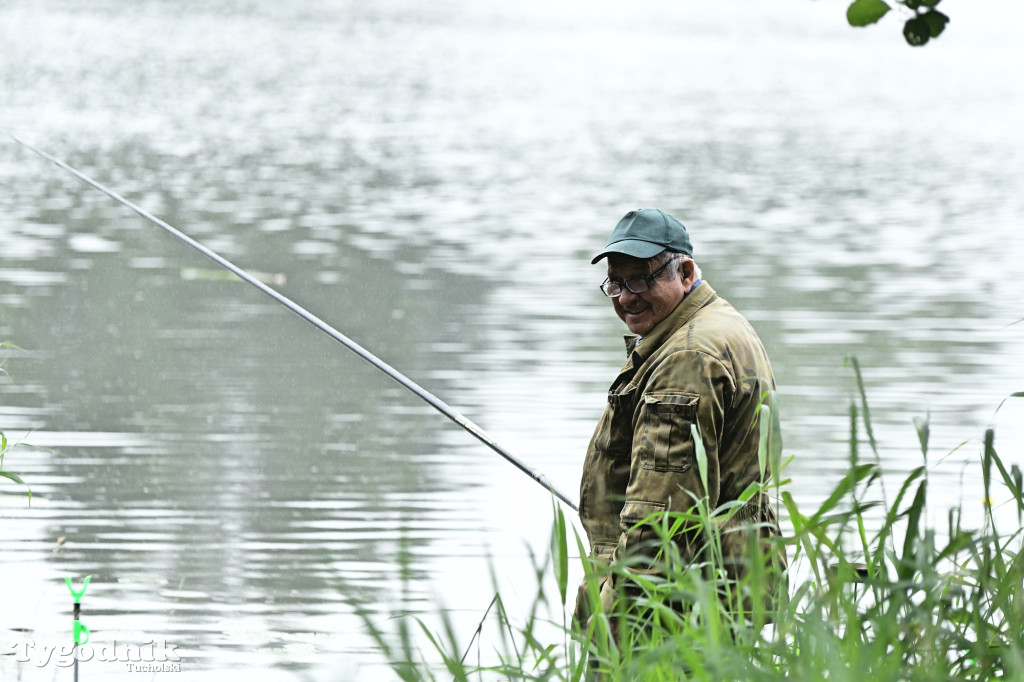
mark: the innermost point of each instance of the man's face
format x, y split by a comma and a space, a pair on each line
642, 312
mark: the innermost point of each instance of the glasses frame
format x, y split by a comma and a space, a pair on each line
648, 280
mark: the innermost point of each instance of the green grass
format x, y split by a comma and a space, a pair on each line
874, 594
6, 445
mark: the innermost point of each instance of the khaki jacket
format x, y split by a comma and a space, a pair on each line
705, 365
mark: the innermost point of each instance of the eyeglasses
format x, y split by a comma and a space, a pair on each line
637, 285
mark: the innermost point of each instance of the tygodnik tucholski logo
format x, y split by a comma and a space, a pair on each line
153, 655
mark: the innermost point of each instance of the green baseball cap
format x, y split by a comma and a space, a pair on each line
646, 232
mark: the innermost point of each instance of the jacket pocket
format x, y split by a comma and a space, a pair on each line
635, 511
667, 444
614, 435
639, 538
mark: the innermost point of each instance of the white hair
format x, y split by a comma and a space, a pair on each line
675, 260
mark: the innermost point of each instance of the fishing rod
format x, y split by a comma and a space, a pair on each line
312, 319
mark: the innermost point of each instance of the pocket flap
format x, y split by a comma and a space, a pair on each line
635, 511
667, 444
666, 403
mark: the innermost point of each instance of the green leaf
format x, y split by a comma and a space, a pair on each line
894, 511
702, 457
560, 552
866, 12
1012, 479
987, 458
936, 21
846, 485
866, 413
1018, 394
775, 443
905, 569
917, 31
921, 424
13, 477
762, 441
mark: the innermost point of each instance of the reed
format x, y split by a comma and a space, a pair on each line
6, 445
874, 594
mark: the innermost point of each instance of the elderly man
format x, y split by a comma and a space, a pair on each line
691, 360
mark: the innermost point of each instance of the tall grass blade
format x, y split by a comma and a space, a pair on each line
988, 456
775, 442
854, 440
1018, 490
764, 434
13, 477
843, 489
950, 611
921, 424
1018, 394
912, 539
560, 552
1012, 478
702, 457
17, 479
894, 512
865, 411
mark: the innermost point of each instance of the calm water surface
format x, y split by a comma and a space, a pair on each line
432, 179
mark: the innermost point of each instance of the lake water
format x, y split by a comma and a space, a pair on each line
431, 179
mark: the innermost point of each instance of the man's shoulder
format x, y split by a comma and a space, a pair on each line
719, 336
714, 325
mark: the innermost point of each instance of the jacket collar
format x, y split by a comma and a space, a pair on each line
691, 303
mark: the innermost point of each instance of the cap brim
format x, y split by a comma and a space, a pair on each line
631, 247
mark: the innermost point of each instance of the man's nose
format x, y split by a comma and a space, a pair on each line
626, 296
